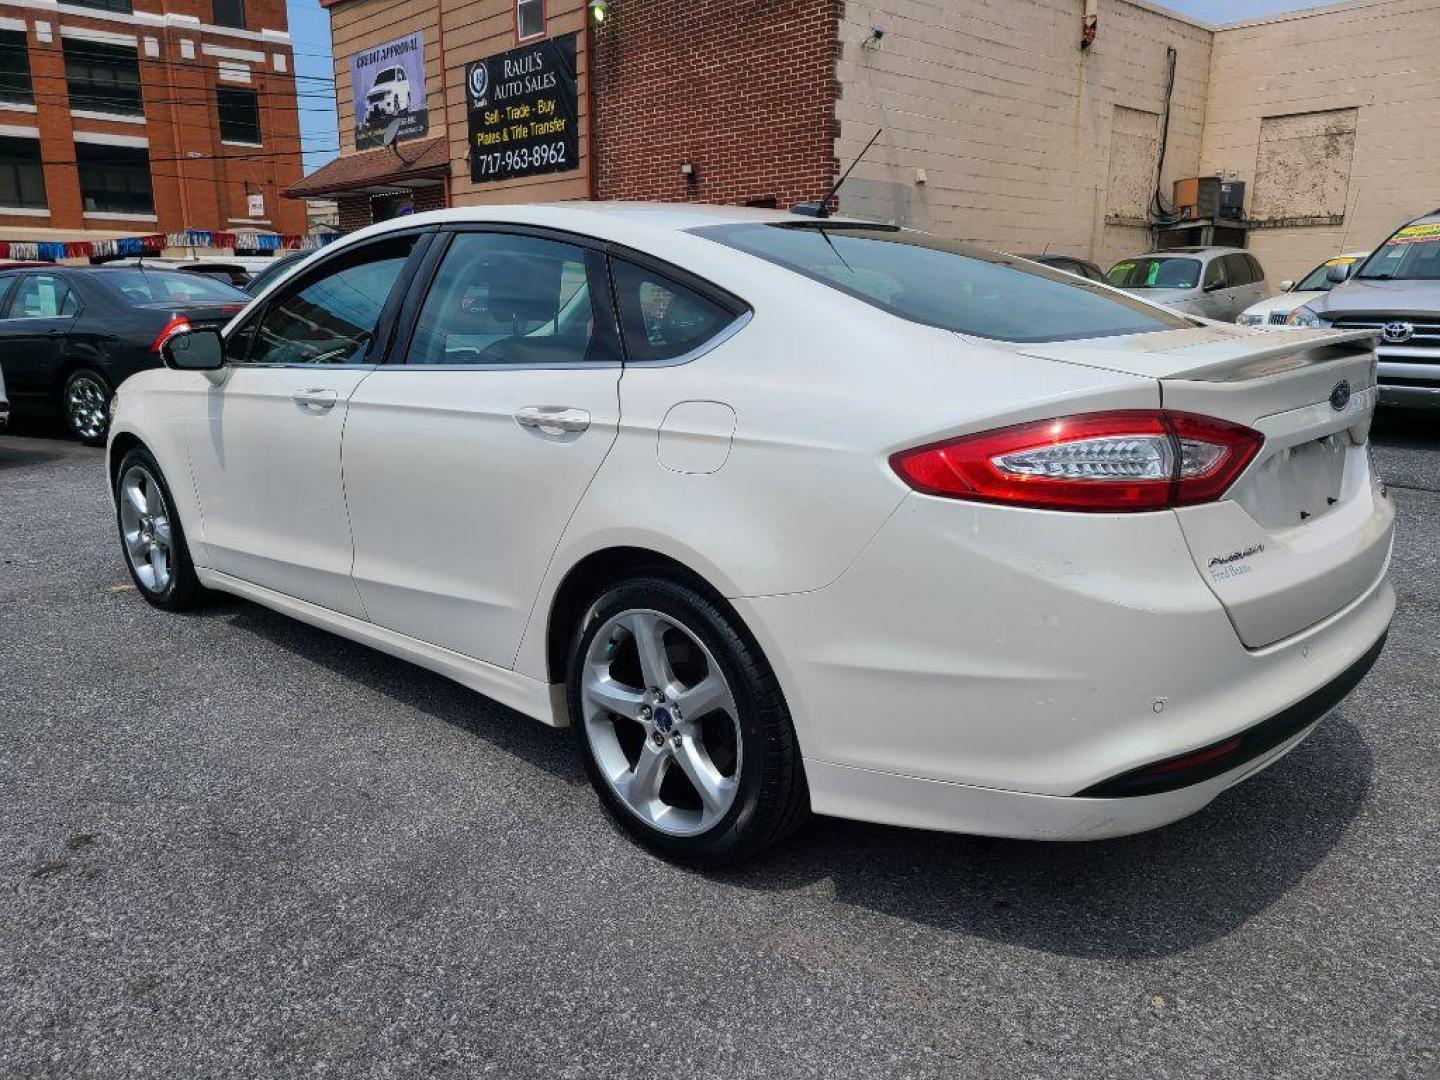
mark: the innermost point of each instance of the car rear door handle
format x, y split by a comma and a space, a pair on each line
316, 400
553, 419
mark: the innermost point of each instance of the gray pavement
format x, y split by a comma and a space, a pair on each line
232, 845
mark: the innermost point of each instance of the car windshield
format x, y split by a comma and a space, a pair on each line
1316, 281
938, 282
388, 75
1155, 272
1412, 254
144, 286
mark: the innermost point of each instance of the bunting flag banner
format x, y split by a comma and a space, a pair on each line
153, 244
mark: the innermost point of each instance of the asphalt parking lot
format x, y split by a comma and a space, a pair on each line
233, 845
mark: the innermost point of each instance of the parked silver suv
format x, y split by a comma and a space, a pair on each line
1396, 292
1216, 282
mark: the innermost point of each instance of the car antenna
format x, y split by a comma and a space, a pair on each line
820, 209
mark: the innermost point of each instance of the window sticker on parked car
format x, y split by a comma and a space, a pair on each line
1416, 234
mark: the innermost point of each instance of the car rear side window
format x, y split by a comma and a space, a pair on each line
506, 298
330, 316
42, 296
663, 319
1238, 271
938, 282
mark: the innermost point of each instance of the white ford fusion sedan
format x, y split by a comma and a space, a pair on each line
782, 513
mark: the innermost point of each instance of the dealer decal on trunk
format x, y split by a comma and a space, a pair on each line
1233, 565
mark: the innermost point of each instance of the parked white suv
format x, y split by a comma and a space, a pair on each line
390, 94
783, 513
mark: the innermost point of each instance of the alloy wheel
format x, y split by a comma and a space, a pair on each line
85, 407
145, 527
662, 722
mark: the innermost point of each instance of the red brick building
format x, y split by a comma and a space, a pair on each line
707, 100
127, 117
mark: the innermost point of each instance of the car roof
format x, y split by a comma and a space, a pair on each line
601, 217
1199, 252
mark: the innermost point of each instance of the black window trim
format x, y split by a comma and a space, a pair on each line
383, 341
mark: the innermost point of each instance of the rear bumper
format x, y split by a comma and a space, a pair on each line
911, 801
979, 669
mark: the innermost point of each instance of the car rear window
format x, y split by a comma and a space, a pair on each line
943, 283
144, 286
1165, 272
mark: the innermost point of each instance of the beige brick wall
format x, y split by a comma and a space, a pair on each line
1014, 125
1380, 58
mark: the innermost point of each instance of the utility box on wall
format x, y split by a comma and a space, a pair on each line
1210, 198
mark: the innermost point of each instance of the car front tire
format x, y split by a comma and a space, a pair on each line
681, 725
151, 536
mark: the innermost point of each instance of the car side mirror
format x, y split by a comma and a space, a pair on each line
1287, 285
1338, 273
194, 350
1212, 286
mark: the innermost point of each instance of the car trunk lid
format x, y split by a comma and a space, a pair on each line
1306, 528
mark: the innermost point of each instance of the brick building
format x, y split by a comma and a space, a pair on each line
120, 118
1006, 123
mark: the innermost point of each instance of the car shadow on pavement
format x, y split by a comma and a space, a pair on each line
1150, 895
413, 687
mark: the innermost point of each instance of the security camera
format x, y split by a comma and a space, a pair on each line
876, 34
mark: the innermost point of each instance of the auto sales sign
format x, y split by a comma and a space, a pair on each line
388, 83
523, 113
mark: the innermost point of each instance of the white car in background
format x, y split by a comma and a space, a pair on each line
4, 402
784, 513
1296, 294
390, 93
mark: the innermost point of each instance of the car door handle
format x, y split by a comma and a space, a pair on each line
553, 419
316, 400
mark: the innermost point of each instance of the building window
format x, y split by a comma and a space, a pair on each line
114, 179
529, 18
15, 69
104, 5
22, 178
230, 13
239, 115
103, 78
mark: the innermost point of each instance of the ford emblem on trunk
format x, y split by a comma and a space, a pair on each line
1397, 332
1340, 396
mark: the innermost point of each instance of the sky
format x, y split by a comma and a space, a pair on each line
310, 30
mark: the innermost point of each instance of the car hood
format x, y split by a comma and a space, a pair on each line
1285, 301
1362, 297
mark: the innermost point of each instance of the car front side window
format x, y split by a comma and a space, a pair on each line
1215, 274
330, 316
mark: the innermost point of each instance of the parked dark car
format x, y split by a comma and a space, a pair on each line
70, 335
283, 264
1070, 264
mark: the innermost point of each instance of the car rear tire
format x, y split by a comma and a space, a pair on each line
681, 725
151, 536
86, 404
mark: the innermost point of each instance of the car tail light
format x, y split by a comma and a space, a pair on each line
1099, 462
179, 324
